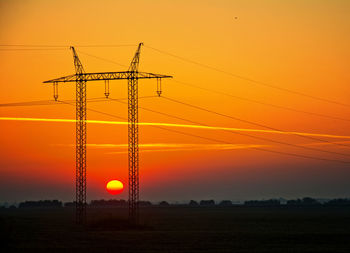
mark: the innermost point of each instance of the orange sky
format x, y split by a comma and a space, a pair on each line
296, 45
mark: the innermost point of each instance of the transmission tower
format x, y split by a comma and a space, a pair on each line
81, 78
133, 138
80, 151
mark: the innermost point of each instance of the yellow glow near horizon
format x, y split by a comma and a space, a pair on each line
194, 147
149, 147
180, 126
172, 145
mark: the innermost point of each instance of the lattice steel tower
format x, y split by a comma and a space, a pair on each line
133, 137
80, 78
80, 150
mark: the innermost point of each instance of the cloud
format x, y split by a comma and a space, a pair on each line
166, 147
180, 126
171, 147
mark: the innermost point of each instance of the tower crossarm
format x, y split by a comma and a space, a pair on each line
105, 76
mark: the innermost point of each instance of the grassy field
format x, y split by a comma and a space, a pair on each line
179, 229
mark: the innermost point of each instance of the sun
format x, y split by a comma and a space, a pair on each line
114, 187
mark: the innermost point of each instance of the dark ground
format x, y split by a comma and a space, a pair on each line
179, 229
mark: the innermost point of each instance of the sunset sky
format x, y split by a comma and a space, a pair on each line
275, 70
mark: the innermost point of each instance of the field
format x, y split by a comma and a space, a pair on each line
179, 229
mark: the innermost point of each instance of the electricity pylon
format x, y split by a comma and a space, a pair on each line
133, 137
81, 78
80, 140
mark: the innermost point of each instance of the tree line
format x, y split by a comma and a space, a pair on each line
307, 201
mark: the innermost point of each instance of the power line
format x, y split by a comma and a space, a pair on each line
233, 96
248, 135
191, 85
48, 46
53, 102
261, 102
93, 110
302, 156
237, 97
30, 49
43, 102
235, 118
249, 79
161, 113
27, 103
224, 142
21, 47
103, 59
196, 124
277, 152
249, 122
170, 130
46, 102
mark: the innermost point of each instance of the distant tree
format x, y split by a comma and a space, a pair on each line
108, 203
164, 203
294, 202
193, 203
145, 203
283, 201
41, 203
69, 204
225, 203
338, 202
270, 202
207, 202
309, 201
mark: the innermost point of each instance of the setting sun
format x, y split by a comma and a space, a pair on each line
114, 187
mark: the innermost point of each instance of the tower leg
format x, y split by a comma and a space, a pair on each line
80, 152
133, 149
